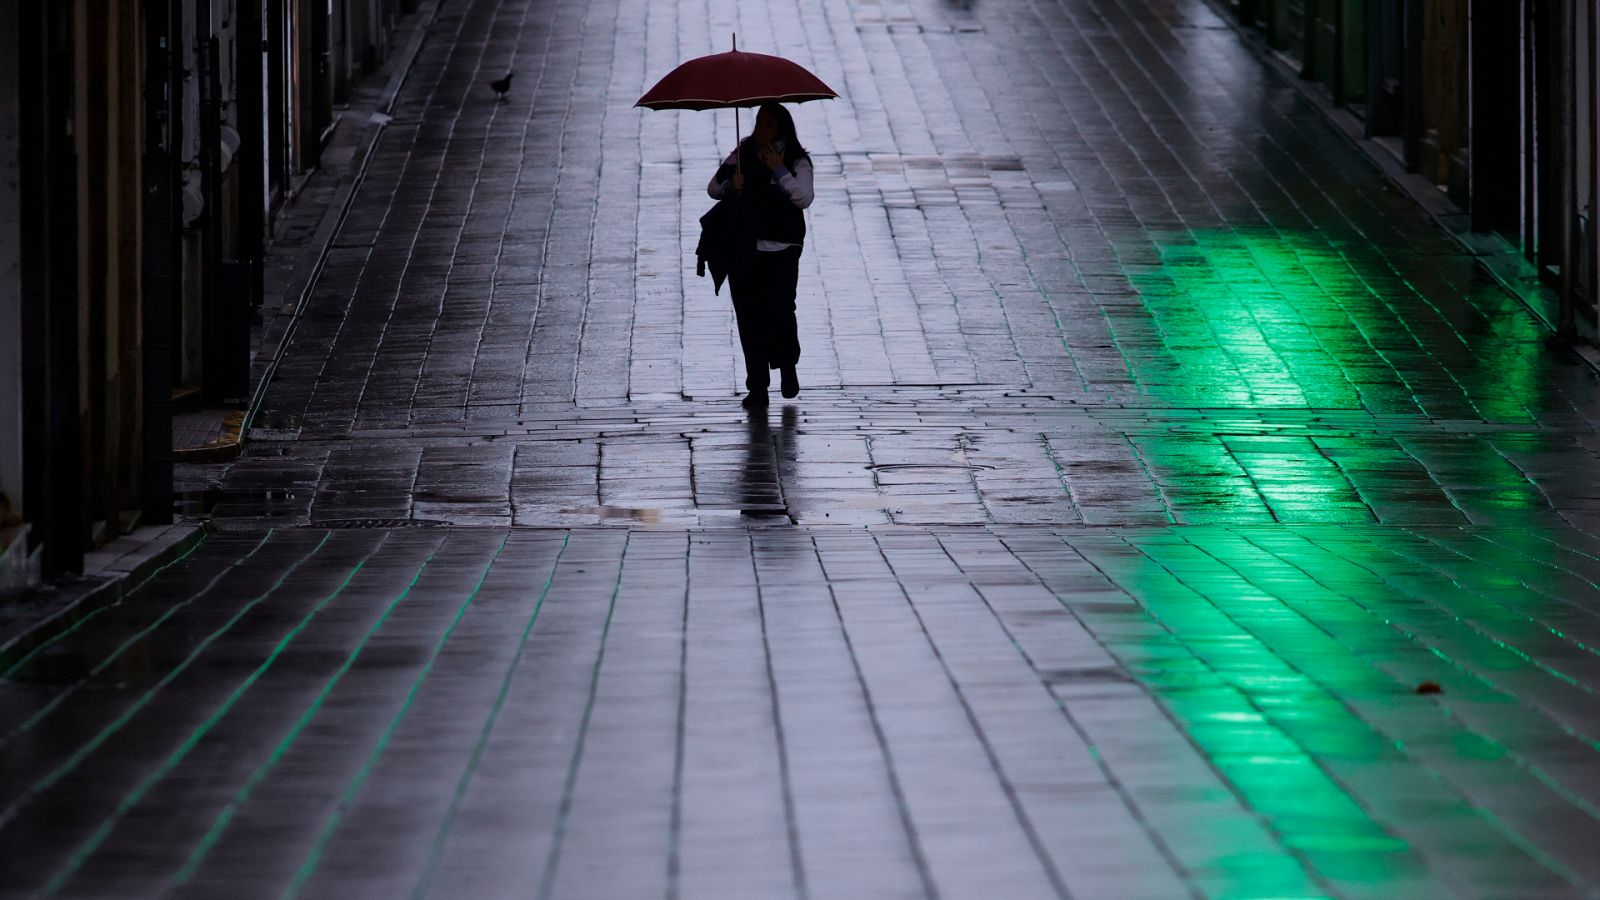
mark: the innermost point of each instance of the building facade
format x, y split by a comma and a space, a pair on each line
145, 146
1493, 100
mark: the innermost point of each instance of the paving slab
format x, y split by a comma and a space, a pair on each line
895, 710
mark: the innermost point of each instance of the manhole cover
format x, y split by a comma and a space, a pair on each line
376, 523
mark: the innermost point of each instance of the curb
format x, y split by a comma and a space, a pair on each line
1495, 256
306, 275
99, 590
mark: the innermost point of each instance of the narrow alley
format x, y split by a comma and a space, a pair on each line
1170, 507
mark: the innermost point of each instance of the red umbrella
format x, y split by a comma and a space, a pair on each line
735, 79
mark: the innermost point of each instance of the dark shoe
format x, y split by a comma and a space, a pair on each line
791, 383
754, 400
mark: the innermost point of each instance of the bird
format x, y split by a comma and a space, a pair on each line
501, 85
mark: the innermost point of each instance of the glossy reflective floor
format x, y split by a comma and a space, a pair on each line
1169, 510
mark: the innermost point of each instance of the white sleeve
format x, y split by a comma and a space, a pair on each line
798, 184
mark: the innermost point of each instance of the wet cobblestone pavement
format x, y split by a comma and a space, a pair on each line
1170, 509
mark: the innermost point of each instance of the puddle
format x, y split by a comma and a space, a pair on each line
648, 516
201, 503
689, 515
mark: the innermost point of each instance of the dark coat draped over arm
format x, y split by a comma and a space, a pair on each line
722, 241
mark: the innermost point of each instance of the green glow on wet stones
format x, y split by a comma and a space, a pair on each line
1233, 717
1242, 316
1271, 318
1339, 841
1264, 319
1475, 746
1255, 716
1510, 360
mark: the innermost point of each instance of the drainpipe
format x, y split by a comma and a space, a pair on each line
1411, 91
1594, 159
249, 88
1527, 213
228, 279
1567, 326
211, 314
55, 499
161, 216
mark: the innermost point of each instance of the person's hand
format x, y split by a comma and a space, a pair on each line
772, 158
738, 181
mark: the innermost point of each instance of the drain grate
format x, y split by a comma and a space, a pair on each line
916, 28
935, 467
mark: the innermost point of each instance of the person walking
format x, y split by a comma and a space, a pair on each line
770, 175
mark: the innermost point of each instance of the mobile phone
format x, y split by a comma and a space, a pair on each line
778, 146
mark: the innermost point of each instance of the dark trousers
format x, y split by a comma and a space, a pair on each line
763, 287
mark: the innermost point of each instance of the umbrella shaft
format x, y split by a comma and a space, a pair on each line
738, 158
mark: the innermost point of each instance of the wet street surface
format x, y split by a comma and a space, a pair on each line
1170, 509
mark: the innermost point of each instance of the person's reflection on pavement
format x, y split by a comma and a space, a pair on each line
787, 455
767, 462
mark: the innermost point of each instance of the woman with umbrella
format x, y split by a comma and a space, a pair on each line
770, 175
766, 185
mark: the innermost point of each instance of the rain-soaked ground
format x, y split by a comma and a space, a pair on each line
1170, 509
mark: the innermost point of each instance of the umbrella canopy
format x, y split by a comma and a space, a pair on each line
734, 79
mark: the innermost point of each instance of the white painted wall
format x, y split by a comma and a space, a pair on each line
10, 265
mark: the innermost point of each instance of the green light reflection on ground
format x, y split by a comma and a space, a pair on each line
1257, 319
1262, 723
1271, 318
1269, 638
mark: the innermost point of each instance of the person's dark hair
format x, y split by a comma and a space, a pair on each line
792, 151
